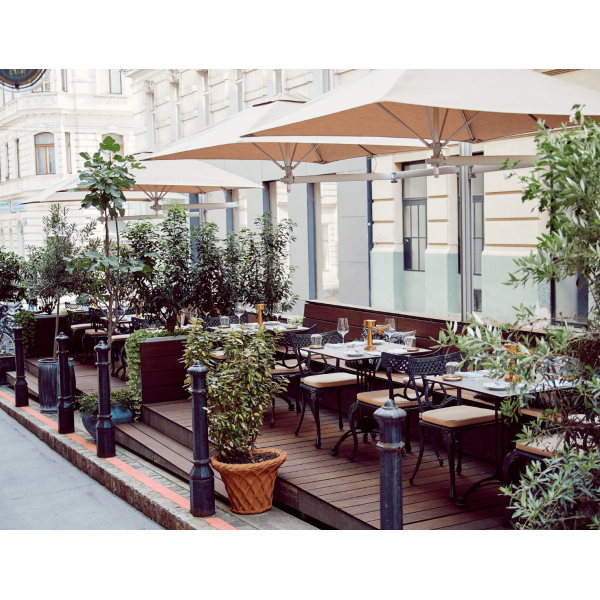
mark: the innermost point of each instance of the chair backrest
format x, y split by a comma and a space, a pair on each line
72, 305
137, 323
366, 374
96, 315
398, 363
216, 321
302, 340
434, 365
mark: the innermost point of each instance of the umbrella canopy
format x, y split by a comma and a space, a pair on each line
224, 140
158, 180
434, 104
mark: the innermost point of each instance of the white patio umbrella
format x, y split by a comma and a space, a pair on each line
224, 140
159, 180
441, 105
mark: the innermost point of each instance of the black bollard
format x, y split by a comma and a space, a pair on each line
21, 390
202, 484
105, 429
66, 408
390, 445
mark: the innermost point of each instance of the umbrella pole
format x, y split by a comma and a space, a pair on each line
466, 238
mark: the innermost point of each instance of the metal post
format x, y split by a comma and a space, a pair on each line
390, 417
105, 429
21, 391
202, 484
466, 236
66, 409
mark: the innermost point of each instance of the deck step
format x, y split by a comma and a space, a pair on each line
161, 450
32, 382
153, 416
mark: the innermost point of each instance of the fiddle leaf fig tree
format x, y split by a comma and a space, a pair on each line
107, 174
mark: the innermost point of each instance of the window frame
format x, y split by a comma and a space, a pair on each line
45, 146
68, 152
239, 90
18, 158
110, 82
479, 199
408, 202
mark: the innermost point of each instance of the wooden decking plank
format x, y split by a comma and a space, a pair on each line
487, 523
464, 517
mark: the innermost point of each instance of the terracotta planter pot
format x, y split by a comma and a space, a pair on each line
250, 487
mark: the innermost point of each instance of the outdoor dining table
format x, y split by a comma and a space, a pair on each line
476, 381
252, 327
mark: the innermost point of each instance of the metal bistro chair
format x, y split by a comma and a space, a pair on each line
396, 338
95, 333
316, 384
369, 399
286, 349
215, 321
451, 421
138, 323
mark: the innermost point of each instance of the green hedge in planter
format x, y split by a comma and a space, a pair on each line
26, 319
88, 404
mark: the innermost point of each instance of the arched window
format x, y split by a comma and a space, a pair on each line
44, 153
119, 139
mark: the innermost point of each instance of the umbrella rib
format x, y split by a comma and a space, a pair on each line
459, 130
429, 121
401, 123
444, 122
366, 150
536, 120
468, 128
318, 155
313, 149
271, 159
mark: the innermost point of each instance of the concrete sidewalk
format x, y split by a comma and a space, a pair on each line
42, 490
157, 493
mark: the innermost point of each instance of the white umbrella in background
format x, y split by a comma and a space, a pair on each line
224, 140
159, 180
441, 105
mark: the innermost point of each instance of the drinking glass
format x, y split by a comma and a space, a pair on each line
410, 341
224, 321
238, 311
390, 328
315, 339
343, 328
277, 310
451, 368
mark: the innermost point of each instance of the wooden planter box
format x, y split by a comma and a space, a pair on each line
44, 340
162, 373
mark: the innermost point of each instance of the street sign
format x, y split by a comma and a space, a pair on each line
18, 80
4, 207
18, 206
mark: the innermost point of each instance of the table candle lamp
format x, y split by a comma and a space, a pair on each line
260, 308
369, 324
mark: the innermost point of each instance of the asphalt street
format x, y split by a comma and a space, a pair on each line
39, 489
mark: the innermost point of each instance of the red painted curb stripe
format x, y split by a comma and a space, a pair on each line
215, 522
220, 524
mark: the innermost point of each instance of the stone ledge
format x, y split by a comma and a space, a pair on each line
155, 506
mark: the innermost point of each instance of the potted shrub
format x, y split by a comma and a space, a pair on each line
123, 404
239, 390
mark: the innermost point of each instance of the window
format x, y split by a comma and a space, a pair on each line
45, 86
177, 98
114, 78
119, 139
278, 80
327, 80
68, 152
18, 157
239, 89
477, 301
44, 153
63, 82
478, 222
206, 98
152, 108
414, 208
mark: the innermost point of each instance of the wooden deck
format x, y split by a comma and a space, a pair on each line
86, 377
333, 490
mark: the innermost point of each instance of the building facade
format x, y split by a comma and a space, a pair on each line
42, 133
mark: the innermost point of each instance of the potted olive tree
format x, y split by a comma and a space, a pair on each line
239, 390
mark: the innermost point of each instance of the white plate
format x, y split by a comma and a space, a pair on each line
353, 353
498, 387
377, 342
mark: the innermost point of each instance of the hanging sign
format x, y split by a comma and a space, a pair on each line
18, 206
18, 80
4, 207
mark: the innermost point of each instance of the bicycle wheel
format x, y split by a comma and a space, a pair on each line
7, 344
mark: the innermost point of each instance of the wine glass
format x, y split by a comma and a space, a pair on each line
390, 328
277, 310
238, 311
343, 328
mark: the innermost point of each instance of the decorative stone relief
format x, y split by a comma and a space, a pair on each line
173, 76
148, 86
